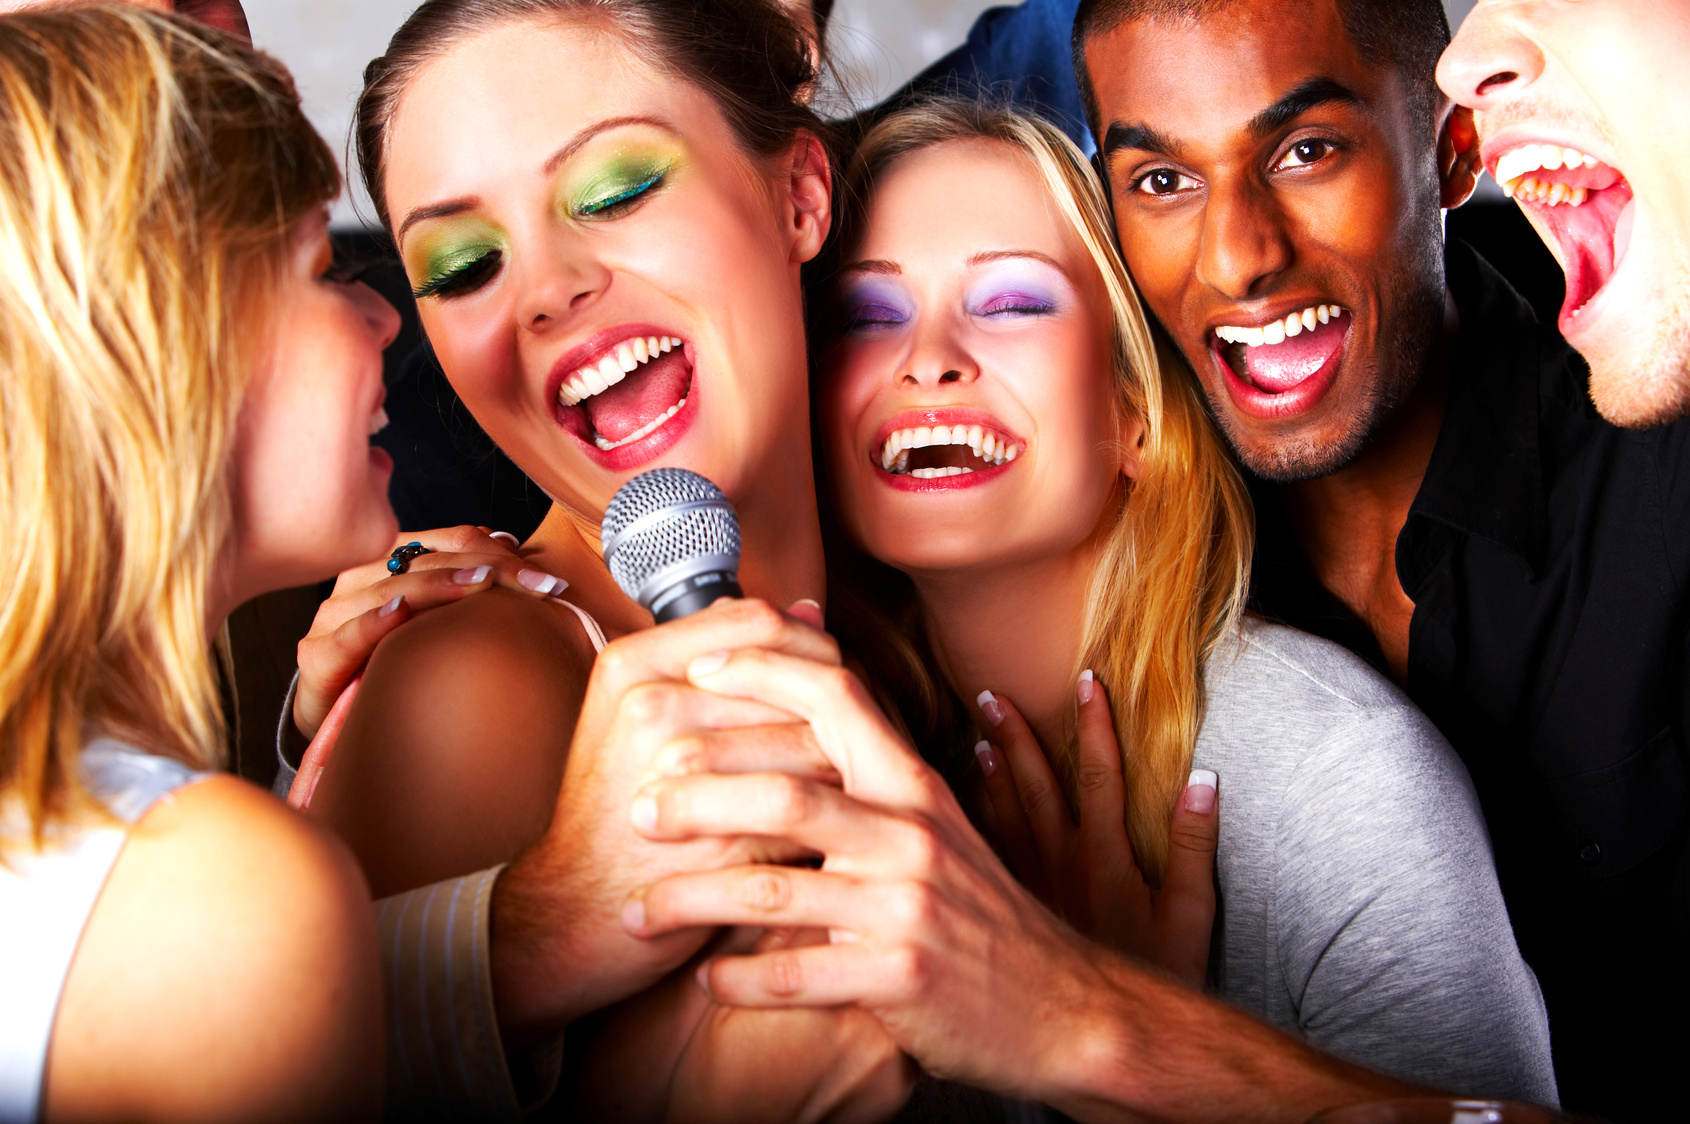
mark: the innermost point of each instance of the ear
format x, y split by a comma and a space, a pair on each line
1131, 444
1459, 164
809, 196
226, 15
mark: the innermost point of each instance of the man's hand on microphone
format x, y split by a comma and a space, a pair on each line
969, 973
559, 948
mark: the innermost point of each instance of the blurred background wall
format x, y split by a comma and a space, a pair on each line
877, 44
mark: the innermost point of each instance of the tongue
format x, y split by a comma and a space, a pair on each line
638, 399
1593, 239
1276, 368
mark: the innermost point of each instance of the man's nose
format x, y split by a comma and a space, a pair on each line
1245, 243
1491, 60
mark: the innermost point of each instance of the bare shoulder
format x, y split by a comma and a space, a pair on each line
231, 951
453, 751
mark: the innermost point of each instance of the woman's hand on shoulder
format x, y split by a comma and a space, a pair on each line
228, 972
368, 603
1086, 871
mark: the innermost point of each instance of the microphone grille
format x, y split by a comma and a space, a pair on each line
661, 519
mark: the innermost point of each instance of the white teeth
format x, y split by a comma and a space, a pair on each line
1530, 157
1279, 331
989, 447
647, 428
378, 420
1514, 168
613, 367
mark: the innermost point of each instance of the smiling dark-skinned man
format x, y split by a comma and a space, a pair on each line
1434, 489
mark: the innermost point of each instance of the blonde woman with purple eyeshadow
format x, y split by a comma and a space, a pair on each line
1051, 531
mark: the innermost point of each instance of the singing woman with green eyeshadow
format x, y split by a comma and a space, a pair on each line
603, 208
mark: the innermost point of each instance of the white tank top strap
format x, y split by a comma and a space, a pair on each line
594, 632
46, 897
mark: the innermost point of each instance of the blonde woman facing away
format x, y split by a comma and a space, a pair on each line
187, 388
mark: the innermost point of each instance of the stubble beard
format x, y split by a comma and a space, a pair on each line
1390, 376
1654, 389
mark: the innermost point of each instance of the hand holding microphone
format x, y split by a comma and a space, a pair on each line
672, 542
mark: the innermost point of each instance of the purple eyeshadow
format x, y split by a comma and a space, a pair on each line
873, 302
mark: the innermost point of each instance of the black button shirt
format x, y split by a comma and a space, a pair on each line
1547, 555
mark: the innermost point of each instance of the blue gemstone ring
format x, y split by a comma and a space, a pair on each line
401, 559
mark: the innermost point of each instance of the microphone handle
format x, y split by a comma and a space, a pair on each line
692, 593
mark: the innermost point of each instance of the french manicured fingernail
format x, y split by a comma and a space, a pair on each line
811, 607
1087, 686
988, 759
541, 582
391, 607
643, 813
472, 576
989, 706
703, 975
633, 914
708, 664
506, 537
1200, 791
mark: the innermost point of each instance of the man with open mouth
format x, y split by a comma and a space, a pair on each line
1571, 101
1432, 487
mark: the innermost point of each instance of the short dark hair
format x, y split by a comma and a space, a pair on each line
1407, 35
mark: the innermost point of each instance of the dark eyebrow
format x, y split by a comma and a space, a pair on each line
437, 211
1306, 95
1142, 137
873, 266
459, 206
557, 158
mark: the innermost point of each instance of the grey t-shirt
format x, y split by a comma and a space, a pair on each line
1358, 897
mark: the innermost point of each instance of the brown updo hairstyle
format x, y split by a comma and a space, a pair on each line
756, 63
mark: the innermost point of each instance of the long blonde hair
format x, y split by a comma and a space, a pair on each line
151, 174
1173, 572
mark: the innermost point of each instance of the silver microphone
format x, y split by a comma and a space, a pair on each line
671, 540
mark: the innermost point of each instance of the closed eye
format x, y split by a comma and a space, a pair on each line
622, 200
865, 316
463, 277
1015, 305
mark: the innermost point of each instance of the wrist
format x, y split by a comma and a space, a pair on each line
538, 964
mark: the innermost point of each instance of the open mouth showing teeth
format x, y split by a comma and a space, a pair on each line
1283, 354
1584, 206
628, 394
930, 452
